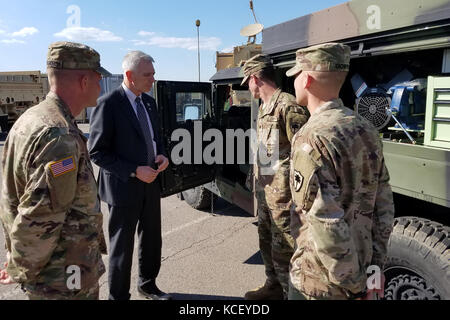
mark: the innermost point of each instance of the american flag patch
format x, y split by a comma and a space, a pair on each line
63, 166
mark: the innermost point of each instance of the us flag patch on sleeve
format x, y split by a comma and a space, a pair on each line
63, 166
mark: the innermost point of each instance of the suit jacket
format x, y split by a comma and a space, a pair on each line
117, 146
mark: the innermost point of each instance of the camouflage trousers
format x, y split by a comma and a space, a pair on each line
276, 245
85, 294
295, 294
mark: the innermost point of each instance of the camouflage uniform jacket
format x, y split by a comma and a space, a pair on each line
49, 206
343, 209
277, 123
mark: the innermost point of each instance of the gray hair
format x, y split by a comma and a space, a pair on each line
132, 60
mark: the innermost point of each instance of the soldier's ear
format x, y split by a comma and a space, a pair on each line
308, 81
257, 80
84, 81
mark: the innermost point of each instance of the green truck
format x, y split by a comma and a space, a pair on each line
399, 79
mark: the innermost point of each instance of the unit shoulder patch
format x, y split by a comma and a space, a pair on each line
298, 181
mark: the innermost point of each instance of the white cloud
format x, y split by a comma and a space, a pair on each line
206, 43
227, 50
88, 34
12, 41
24, 32
2, 31
146, 33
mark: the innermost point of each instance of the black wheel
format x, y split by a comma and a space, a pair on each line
418, 266
198, 198
408, 287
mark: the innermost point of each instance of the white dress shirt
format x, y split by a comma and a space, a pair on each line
132, 98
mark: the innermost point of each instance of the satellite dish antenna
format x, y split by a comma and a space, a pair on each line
251, 31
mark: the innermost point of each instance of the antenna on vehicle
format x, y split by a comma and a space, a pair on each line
252, 30
253, 11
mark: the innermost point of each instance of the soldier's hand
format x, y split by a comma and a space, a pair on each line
162, 163
4, 276
146, 174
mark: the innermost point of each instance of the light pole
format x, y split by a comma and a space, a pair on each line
197, 23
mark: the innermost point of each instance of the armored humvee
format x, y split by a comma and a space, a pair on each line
399, 79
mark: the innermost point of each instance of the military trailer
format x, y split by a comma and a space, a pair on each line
399, 80
20, 90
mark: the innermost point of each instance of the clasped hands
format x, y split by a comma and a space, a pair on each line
148, 174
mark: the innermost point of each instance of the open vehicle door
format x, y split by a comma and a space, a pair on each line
186, 111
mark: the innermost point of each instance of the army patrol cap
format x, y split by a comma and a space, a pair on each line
323, 57
74, 56
254, 65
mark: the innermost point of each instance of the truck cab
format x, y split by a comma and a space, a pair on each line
399, 79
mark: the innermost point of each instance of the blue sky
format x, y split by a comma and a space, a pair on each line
162, 28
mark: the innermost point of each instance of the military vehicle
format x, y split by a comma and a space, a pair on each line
20, 90
399, 79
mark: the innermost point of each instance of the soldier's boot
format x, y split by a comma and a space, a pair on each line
269, 291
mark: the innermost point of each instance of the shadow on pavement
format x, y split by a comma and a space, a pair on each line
224, 208
255, 259
185, 296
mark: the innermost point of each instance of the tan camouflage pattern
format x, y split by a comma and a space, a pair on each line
343, 209
323, 57
74, 56
50, 222
87, 294
277, 123
255, 65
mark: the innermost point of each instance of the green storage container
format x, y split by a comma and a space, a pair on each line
437, 121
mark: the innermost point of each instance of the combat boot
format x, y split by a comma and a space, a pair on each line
266, 292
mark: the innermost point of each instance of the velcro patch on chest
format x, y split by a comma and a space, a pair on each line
61, 167
307, 148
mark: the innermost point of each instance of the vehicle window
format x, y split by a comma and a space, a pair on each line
191, 112
241, 98
191, 106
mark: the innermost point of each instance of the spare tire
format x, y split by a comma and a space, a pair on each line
418, 266
198, 198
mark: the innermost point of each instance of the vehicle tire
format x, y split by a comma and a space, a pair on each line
198, 198
418, 265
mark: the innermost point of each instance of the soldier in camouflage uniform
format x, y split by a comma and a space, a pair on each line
343, 207
279, 118
49, 206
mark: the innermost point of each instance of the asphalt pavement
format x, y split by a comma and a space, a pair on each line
205, 256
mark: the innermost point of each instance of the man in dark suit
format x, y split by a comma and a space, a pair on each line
125, 143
